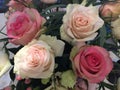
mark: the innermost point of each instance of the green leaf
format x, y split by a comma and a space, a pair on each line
76, 1
68, 79
89, 2
103, 34
37, 88
45, 81
20, 85
12, 75
73, 52
4, 39
111, 87
49, 8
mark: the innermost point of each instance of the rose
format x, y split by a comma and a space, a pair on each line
80, 23
23, 26
116, 28
19, 4
4, 63
35, 60
110, 10
92, 63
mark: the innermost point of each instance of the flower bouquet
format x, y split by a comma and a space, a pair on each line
61, 45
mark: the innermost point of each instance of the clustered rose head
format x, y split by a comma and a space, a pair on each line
80, 23
92, 63
22, 26
110, 11
35, 60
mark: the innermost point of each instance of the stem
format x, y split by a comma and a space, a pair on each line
2, 28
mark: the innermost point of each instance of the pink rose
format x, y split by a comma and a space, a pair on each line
93, 63
23, 26
80, 23
110, 10
35, 60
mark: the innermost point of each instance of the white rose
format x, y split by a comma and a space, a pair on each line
80, 23
35, 60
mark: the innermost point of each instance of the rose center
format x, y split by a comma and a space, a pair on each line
18, 24
92, 60
81, 21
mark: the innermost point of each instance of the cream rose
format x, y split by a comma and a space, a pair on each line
35, 60
80, 23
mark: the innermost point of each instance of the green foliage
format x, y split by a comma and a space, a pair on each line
45, 81
68, 79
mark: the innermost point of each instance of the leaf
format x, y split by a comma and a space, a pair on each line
21, 85
45, 81
49, 8
111, 87
15, 50
68, 79
12, 75
37, 88
4, 39
102, 35
89, 2
73, 52
76, 1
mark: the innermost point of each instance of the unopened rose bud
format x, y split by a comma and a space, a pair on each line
27, 81
110, 11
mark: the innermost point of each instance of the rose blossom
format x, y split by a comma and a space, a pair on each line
92, 63
23, 26
110, 10
35, 60
80, 23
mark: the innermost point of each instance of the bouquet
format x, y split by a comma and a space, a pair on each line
61, 45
